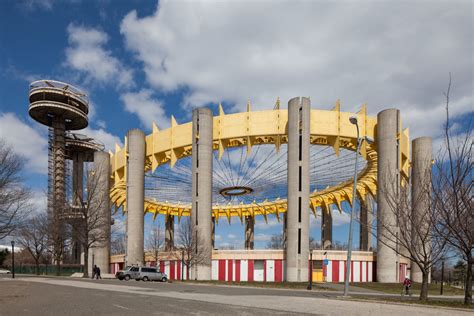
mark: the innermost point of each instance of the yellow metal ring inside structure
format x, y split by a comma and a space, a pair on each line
330, 128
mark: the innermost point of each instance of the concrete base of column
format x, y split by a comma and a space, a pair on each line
326, 229
169, 233
249, 232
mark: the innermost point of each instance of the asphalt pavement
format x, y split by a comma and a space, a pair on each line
67, 296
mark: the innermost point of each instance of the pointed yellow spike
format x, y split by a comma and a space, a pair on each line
221, 148
363, 109
277, 104
173, 159
173, 121
249, 145
117, 148
337, 106
249, 106
155, 128
221, 110
111, 153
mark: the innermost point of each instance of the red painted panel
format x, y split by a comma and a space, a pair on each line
335, 270
229, 270
162, 266
250, 271
172, 268
278, 271
367, 270
221, 270
237, 271
360, 269
178, 270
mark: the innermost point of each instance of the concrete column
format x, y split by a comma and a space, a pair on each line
366, 212
169, 233
135, 197
77, 199
59, 156
388, 180
213, 234
101, 249
326, 228
249, 232
420, 184
202, 192
297, 248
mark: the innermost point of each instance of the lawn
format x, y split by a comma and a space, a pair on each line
281, 285
396, 288
430, 302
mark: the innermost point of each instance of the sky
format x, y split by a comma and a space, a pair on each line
143, 61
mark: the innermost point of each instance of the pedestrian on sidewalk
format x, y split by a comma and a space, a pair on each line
94, 272
407, 285
98, 273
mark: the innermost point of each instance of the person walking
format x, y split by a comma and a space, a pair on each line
98, 273
94, 272
407, 285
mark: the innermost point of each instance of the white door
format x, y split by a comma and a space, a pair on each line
258, 270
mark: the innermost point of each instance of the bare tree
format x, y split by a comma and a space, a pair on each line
413, 235
187, 251
453, 202
14, 197
118, 244
33, 238
58, 237
155, 241
90, 224
276, 242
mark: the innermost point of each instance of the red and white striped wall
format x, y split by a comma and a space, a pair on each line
247, 270
361, 271
269, 270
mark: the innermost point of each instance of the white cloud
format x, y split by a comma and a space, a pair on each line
231, 236
272, 222
262, 237
146, 108
26, 141
388, 54
109, 140
88, 55
338, 218
31, 5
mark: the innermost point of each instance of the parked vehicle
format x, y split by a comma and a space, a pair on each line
4, 271
141, 273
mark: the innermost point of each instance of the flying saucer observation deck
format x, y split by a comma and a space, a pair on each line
78, 143
49, 98
329, 128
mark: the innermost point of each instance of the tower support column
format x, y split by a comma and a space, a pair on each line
388, 181
101, 249
297, 246
421, 187
326, 228
202, 192
249, 232
169, 233
77, 193
135, 197
366, 212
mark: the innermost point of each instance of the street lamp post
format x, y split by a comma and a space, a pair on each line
13, 259
353, 120
310, 285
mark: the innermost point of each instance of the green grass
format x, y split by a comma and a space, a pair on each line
396, 288
415, 301
281, 285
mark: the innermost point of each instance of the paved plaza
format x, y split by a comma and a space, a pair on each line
64, 296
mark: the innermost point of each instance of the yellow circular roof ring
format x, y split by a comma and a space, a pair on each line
328, 128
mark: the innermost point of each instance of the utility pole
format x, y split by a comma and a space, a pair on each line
13, 259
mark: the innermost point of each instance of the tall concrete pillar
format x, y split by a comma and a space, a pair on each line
366, 212
297, 248
77, 199
135, 197
202, 191
326, 228
213, 234
388, 180
249, 232
101, 249
169, 232
421, 187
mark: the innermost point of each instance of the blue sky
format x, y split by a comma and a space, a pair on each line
143, 61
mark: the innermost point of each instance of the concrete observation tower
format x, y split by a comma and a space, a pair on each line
64, 108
